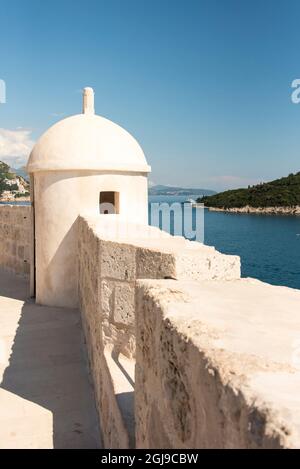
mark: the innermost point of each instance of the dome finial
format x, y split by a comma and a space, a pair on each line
88, 101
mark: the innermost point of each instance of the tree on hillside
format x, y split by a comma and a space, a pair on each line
4, 168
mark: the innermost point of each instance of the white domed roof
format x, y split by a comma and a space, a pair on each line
88, 142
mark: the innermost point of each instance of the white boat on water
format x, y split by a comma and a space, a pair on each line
190, 202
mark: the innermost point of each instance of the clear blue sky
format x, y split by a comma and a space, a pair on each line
204, 86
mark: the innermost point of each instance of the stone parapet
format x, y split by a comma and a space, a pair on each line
15, 238
217, 365
112, 255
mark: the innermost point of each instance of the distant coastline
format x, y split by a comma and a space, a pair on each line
14, 200
13, 186
160, 190
278, 197
259, 210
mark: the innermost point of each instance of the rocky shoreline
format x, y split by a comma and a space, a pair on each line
15, 199
259, 210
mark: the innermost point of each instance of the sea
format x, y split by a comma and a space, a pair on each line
269, 245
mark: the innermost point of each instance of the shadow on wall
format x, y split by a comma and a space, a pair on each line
59, 278
47, 367
12, 285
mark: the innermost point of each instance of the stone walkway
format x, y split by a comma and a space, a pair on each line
46, 400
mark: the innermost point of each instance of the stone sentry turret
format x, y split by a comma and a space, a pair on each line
84, 164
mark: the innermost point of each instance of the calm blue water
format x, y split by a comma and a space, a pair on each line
269, 245
15, 203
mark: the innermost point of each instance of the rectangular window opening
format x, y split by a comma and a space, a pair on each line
109, 202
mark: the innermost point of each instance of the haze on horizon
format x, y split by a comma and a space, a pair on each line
204, 86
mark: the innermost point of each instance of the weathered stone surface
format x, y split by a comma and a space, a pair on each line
124, 304
155, 264
215, 365
107, 298
15, 238
117, 261
111, 256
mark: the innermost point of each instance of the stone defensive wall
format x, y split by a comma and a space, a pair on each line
183, 352
112, 256
217, 365
15, 238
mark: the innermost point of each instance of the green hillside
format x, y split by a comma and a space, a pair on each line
11, 183
284, 192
